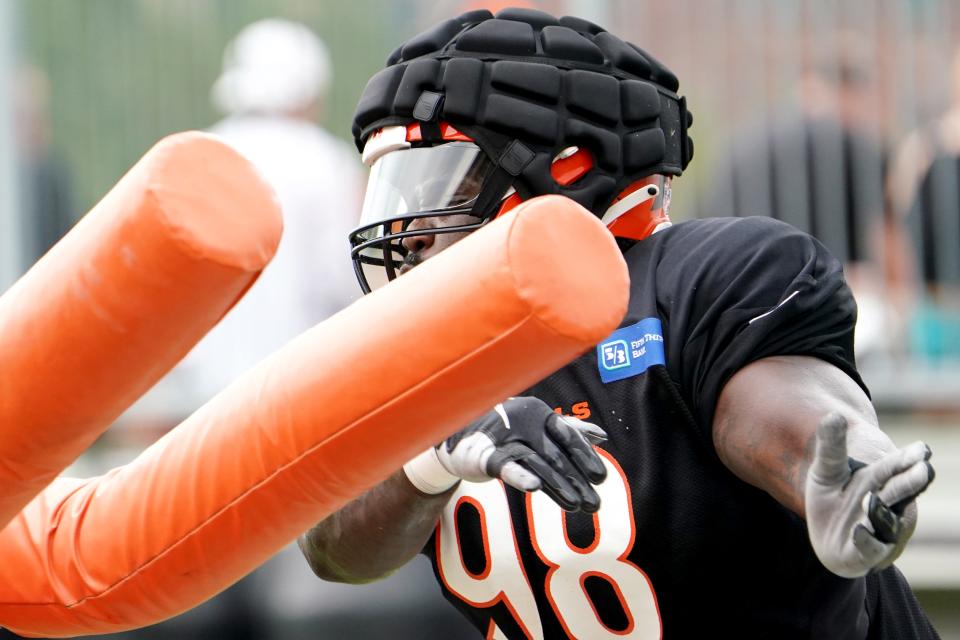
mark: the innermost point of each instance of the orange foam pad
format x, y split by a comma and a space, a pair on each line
327, 417
119, 300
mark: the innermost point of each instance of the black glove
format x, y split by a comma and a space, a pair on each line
526, 444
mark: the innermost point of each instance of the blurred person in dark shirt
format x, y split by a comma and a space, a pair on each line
925, 192
819, 165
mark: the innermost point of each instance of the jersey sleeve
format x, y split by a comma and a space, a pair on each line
743, 289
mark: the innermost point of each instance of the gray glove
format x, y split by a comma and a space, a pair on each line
860, 516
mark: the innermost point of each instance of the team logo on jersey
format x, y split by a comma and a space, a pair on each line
630, 351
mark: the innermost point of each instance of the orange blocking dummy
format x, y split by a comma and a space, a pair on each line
119, 300
313, 426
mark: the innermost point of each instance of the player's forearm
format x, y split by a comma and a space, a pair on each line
375, 534
767, 416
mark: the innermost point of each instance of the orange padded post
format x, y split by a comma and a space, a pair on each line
324, 419
119, 300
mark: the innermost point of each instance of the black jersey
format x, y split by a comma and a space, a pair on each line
680, 547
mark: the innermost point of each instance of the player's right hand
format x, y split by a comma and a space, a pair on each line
860, 516
523, 442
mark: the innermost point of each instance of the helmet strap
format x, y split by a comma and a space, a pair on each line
427, 113
510, 164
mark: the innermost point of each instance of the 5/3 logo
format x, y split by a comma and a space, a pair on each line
615, 355
504, 579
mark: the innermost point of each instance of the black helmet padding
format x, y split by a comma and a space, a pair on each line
546, 83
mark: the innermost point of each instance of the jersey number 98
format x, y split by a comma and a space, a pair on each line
504, 580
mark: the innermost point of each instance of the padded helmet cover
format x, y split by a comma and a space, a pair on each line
526, 78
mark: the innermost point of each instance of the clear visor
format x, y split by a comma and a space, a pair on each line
409, 181
436, 185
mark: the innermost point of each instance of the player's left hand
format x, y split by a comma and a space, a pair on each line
860, 516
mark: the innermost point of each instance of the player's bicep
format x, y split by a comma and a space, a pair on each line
767, 415
770, 290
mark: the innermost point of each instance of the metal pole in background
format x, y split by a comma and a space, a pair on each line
11, 228
596, 11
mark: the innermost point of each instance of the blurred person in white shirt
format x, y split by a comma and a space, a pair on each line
272, 90
275, 78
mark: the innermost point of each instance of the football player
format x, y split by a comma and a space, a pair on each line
715, 467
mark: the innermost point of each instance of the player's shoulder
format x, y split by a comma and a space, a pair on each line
728, 241
704, 258
734, 231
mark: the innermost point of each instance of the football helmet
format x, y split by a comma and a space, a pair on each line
481, 112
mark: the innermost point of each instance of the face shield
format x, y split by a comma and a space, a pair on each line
412, 191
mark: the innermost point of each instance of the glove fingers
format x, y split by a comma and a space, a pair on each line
565, 462
571, 440
519, 477
878, 473
554, 484
589, 499
871, 550
886, 524
830, 466
907, 485
908, 522
550, 480
593, 433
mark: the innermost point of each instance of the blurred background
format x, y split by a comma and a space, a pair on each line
841, 117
